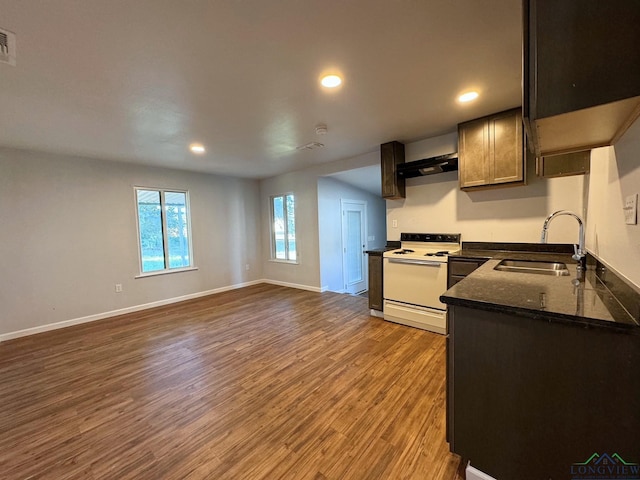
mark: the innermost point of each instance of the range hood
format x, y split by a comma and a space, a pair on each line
428, 166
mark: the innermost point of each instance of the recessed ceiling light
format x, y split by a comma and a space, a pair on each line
331, 81
467, 97
197, 148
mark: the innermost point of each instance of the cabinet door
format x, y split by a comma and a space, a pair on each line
581, 79
586, 53
505, 147
459, 268
577, 163
391, 154
375, 282
473, 153
522, 389
490, 151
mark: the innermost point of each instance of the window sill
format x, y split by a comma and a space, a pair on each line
290, 262
166, 272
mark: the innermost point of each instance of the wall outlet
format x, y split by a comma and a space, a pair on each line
631, 209
394, 223
247, 267
118, 288
371, 238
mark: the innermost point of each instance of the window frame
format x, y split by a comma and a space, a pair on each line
272, 232
165, 235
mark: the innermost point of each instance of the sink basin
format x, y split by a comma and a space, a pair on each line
533, 266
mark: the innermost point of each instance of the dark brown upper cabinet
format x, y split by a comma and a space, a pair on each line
576, 163
581, 79
393, 186
490, 151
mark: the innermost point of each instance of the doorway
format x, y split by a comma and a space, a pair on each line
354, 235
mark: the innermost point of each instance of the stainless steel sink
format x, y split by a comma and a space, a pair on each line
533, 266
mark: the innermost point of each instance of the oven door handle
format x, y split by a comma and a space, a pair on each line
414, 261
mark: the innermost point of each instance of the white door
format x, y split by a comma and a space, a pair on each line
354, 265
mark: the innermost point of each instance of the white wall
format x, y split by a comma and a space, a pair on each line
330, 193
512, 214
615, 173
69, 235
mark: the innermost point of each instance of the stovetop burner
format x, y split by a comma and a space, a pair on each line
441, 253
425, 248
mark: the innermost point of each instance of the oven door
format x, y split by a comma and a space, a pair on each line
415, 281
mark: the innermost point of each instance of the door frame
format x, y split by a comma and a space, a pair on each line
364, 232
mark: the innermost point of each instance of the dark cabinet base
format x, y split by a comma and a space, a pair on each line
375, 281
528, 399
460, 267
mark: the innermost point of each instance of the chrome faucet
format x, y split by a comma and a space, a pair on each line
579, 251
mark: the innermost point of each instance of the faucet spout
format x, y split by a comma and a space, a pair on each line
579, 250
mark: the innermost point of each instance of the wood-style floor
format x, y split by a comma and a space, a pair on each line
265, 382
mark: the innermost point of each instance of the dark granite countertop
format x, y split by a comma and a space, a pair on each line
378, 251
580, 299
391, 245
487, 250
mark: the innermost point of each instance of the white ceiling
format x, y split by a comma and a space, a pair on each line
138, 80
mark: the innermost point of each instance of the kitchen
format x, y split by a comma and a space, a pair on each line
521, 220
488, 438
432, 204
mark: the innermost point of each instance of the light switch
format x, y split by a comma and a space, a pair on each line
631, 209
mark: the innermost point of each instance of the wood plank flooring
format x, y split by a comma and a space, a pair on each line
264, 382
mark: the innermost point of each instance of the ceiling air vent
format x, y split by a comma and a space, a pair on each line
7, 47
310, 146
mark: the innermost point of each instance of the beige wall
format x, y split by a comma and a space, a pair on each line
306, 272
69, 235
615, 173
433, 204
69, 231
304, 185
513, 214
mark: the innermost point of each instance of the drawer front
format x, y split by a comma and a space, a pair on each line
453, 279
463, 267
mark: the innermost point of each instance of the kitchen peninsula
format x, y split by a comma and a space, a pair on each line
541, 368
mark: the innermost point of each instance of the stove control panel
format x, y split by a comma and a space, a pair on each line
430, 237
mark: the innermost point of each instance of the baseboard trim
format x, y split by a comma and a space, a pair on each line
474, 474
295, 285
113, 313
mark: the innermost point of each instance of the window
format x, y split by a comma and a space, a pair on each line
283, 228
164, 229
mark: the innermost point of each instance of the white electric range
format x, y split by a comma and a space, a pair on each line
414, 277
